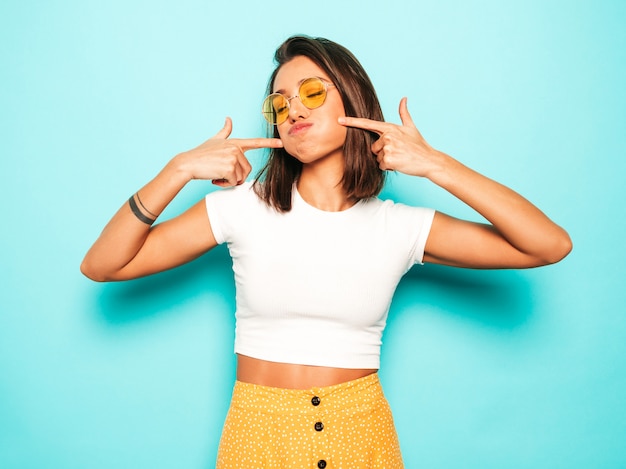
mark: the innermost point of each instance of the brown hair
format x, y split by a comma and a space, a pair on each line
362, 177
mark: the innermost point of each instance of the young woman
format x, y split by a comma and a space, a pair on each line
317, 256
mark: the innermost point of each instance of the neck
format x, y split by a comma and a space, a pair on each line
321, 187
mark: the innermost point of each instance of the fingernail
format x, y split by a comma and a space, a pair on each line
342, 120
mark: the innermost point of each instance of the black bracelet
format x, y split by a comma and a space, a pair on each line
144, 207
138, 213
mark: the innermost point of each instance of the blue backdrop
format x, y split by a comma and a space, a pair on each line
484, 369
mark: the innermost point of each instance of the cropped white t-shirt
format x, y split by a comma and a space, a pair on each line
314, 287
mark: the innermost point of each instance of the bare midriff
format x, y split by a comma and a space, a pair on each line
290, 376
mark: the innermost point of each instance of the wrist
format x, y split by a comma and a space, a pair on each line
442, 168
178, 170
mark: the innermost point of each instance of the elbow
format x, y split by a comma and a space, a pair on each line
89, 273
560, 247
92, 273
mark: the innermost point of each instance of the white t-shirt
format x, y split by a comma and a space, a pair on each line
314, 287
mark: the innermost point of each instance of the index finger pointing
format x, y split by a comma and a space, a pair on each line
378, 127
255, 143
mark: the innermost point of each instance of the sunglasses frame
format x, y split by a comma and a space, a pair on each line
288, 100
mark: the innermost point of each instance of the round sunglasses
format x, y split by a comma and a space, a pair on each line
312, 94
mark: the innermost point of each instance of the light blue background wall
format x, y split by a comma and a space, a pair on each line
512, 369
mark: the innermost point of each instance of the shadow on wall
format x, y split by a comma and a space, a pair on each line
502, 299
211, 274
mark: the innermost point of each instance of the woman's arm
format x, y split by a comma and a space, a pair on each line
129, 247
520, 235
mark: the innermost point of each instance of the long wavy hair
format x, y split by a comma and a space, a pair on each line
362, 177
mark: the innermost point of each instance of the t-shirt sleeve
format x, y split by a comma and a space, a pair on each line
425, 218
224, 207
414, 228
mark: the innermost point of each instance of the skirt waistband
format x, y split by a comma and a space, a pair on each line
360, 392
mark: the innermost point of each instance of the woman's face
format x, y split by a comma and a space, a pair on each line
310, 135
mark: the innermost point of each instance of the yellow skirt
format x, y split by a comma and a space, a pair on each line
346, 426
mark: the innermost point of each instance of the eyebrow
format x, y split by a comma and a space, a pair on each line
282, 91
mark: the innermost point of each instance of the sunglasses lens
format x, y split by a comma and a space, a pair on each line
312, 93
275, 109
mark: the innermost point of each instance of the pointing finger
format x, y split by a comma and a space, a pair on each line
253, 143
405, 117
366, 124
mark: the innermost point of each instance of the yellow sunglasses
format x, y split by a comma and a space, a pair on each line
312, 94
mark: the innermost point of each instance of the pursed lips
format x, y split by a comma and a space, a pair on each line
299, 128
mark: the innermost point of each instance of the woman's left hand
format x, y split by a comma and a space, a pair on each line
399, 147
520, 234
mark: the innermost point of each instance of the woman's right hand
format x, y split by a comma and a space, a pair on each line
129, 248
221, 159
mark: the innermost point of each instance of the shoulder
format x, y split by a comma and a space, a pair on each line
240, 191
392, 210
239, 196
233, 208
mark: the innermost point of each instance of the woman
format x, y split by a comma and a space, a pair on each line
317, 256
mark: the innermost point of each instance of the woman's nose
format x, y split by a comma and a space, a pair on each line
297, 110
